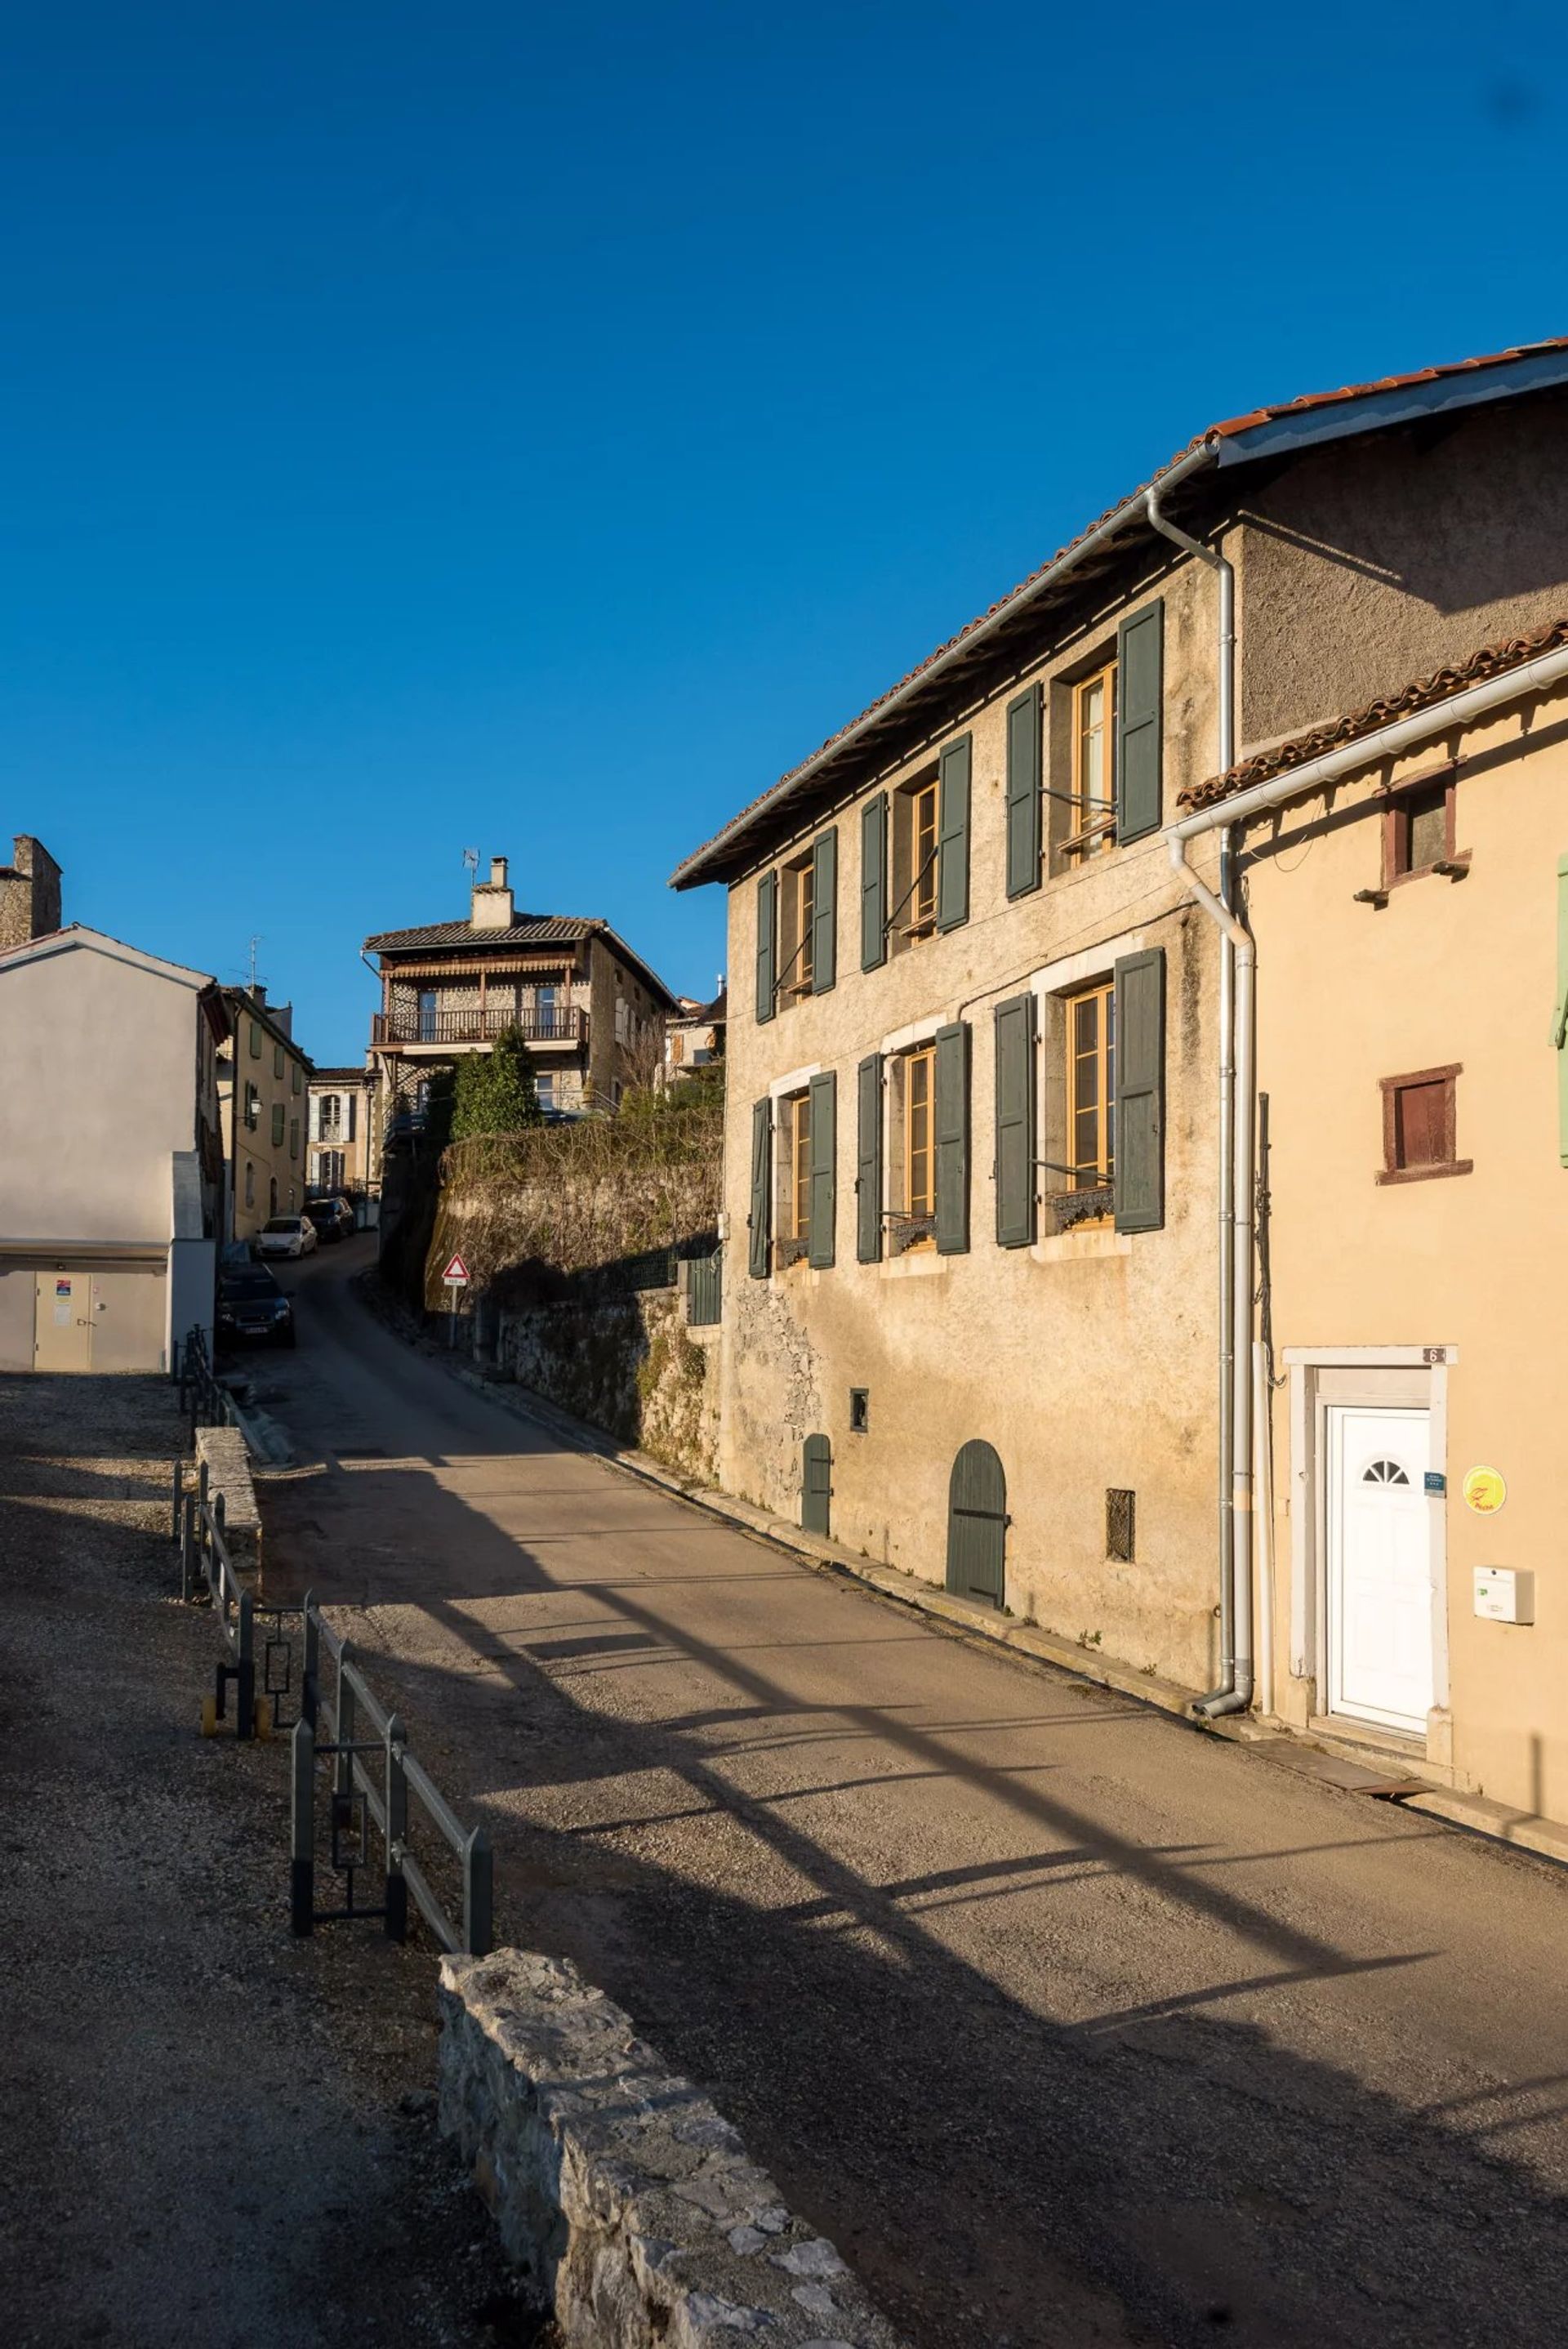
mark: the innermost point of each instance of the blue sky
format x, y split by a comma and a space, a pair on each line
533, 431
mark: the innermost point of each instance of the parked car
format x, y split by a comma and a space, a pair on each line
286, 1236
333, 1218
252, 1305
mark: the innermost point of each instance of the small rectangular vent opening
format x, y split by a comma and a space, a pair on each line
860, 1409
1118, 1524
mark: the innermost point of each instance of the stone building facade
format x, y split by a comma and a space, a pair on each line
591, 1011
972, 1301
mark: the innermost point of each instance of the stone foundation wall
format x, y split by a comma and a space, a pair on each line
630, 1365
628, 2203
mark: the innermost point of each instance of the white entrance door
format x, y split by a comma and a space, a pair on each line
63, 1322
1379, 1566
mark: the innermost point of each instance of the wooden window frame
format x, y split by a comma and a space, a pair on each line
921, 1057
1103, 991
792, 1178
1397, 866
1090, 833
797, 905
1390, 1087
913, 917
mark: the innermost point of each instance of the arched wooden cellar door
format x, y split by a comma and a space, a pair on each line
977, 1526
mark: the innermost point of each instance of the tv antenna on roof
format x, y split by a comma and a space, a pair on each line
255, 942
471, 861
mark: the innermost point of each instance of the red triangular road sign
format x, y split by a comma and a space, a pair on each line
456, 1270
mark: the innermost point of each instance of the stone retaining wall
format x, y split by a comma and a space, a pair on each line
629, 2204
630, 1365
229, 1473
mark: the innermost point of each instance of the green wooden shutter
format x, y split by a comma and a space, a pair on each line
1140, 1130
1015, 1082
874, 882
1139, 721
816, 1484
822, 1205
758, 1220
868, 1161
953, 836
824, 912
767, 946
1560, 1023
1024, 793
953, 1139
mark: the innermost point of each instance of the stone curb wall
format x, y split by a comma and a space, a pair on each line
628, 2203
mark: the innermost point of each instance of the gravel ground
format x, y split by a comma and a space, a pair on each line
210, 2134
1068, 2024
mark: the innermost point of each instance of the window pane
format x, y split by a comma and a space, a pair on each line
1429, 821
1086, 1022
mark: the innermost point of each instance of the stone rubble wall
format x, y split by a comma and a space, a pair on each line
630, 1365
627, 2202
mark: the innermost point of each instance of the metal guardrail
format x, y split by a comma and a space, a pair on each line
201, 1400
357, 1800
206, 1569
373, 1777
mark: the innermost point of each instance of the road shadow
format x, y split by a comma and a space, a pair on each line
1164, 2173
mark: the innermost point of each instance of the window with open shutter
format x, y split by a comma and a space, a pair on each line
953, 836
868, 1160
353, 1106
1141, 1092
951, 1133
874, 882
1139, 721
824, 912
767, 946
1024, 793
761, 1187
1016, 1122
824, 1144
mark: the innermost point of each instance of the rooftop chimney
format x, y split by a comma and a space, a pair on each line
491, 908
29, 894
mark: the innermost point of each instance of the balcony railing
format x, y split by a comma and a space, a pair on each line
473, 1026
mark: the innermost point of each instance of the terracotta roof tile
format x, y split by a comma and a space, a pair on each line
1228, 428
1425, 693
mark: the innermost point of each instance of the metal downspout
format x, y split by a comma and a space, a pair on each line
1233, 1484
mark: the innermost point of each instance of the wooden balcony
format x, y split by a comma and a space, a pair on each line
439, 1030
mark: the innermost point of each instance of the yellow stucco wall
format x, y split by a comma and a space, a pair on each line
1449, 971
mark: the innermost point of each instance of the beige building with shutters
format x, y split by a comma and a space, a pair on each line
261, 1079
341, 1104
986, 1309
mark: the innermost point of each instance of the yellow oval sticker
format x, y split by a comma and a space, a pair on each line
1484, 1491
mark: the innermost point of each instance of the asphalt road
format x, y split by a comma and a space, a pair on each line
1068, 2023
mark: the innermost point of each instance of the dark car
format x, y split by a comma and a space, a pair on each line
252, 1305
333, 1218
